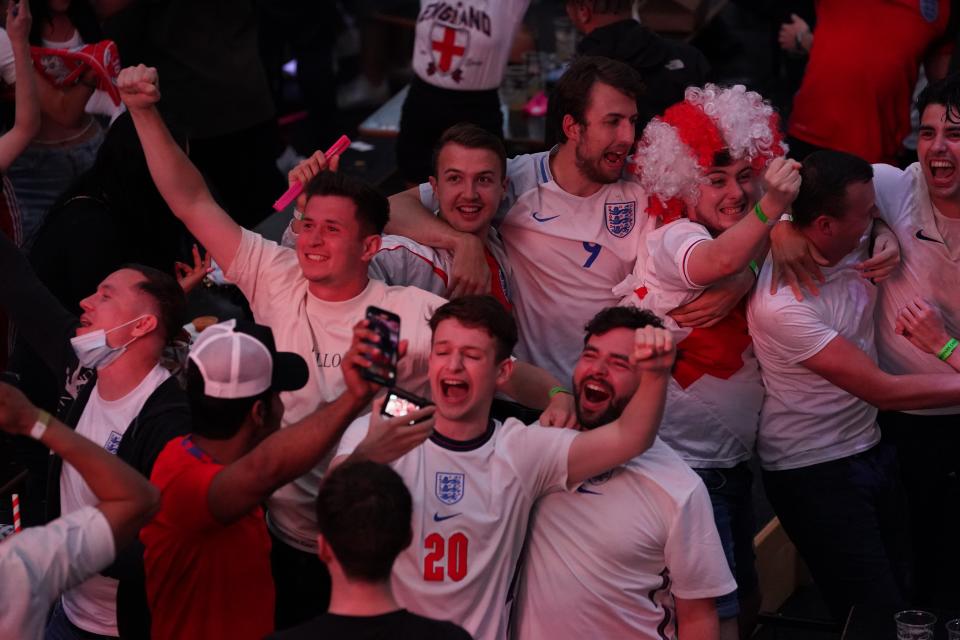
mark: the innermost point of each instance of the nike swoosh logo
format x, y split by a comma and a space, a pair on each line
920, 236
439, 518
536, 216
585, 490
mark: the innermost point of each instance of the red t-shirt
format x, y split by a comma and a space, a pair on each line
204, 579
863, 67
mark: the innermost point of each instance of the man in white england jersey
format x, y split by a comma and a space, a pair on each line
634, 552
571, 227
834, 485
310, 297
468, 181
475, 481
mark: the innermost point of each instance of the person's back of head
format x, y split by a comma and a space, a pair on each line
372, 207
823, 192
364, 516
587, 15
572, 94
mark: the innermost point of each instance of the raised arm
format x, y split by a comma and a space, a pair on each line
408, 217
731, 251
294, 450
845, 365
631, 434
127, 499
178, 181
27, 116
534, 387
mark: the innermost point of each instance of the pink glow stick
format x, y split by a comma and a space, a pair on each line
296, 188
16, 513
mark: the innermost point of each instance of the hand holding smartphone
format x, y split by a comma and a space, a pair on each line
400, 403
386, 325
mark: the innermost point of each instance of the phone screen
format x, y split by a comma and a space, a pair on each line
396, 406
386, 325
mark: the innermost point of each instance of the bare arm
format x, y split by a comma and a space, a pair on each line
27, 117
294, 450
731, 251
697, 619
178, 181
408, 217
846, 366
922, 325
531, 386
631, 434
127, 499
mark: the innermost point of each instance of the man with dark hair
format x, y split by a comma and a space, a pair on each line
834, 485
660, 564
572, 228
115, 392
468, 180
309, 296
476, 480
207, 550
364, 511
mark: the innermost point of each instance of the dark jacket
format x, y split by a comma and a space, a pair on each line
43, 322
667, 67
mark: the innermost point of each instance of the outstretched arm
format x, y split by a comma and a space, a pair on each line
27, 116
731, 251
177, 179
631, 434
127, 499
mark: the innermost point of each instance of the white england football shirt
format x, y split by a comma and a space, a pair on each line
471, 504
465, 45
320, 331
929, 268
715, 393
805, 419
606, 560
566, 255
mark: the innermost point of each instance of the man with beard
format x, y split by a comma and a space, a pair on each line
572, 228
659, 563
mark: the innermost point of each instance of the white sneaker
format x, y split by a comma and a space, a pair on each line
360, 93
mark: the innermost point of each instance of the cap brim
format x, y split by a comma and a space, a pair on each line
289, 372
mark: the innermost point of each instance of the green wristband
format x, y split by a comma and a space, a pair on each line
558, 389
760, 214
948, 349
753, 267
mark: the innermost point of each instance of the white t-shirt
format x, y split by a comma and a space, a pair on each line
465, 45
605, 561
37, 564
8, 71
566, 255
929, 268
92, 606
320, 331
805, 419
715, 393
471, 504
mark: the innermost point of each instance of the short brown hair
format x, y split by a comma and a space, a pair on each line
571, 96
481, 312
472, 137
373, 209
167, 294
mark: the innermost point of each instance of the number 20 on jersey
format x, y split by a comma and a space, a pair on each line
446, 557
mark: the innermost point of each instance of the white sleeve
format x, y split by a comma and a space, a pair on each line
891, 185
289, 237
428, 198
399, 266
693, 552
353, 436
8, 70
677, 241
793, 331
539, 455
264, 271
38, 564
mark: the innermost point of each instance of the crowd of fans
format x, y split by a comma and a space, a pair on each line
610, 335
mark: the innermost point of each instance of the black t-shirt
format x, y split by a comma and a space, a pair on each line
398, 625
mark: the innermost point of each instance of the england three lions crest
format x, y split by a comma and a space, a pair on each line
620, 217
449, 487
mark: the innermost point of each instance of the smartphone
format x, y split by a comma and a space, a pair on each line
399, 403
383, 368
